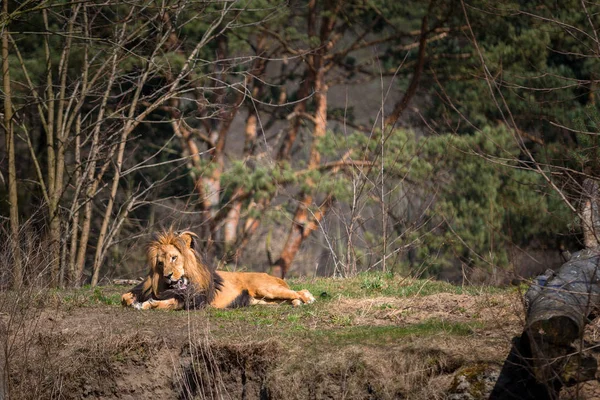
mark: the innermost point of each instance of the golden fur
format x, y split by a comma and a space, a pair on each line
179, 279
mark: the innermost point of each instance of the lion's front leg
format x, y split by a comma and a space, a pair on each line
169, 304
128, 299
139, 293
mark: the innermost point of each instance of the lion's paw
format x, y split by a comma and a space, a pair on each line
297, 303
146, 305
306, 296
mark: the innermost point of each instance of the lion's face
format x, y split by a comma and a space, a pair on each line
175, 264
170, 262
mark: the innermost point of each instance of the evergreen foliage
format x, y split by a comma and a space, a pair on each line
486, 201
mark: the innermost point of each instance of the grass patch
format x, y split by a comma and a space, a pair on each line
375, 335
383, 284
88, 296
284, 316
364, 285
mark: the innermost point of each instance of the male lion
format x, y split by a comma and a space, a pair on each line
179, 279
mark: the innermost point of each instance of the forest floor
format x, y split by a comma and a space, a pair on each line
372, 336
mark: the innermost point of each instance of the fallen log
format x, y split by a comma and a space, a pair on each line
550, 353
126, 282
559, 306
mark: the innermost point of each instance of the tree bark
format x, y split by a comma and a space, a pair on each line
61, 141
71, 278
54, 231
211, 184
17, 277
590, 214
299, 109
231, 223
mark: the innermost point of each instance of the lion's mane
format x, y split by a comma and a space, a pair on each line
203, 280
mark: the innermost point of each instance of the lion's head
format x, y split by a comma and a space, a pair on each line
175, 263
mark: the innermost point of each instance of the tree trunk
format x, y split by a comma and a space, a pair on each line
232, 220
61, 142
251, 226
300, 226
590, 214
17, 277
83, 240
303, 224
211, 185
300, 108
54, 230
414, 83
71, 277
230, 227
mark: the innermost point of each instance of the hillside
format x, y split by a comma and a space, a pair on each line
373, 336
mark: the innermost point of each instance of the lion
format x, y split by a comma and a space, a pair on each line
179, 279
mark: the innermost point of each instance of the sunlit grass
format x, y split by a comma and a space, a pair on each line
371, 284
366, 334
364, 285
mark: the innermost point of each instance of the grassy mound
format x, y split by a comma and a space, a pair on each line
372, 336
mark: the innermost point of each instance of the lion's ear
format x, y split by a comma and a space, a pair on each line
190, 239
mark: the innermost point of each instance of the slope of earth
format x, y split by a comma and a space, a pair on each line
370, 337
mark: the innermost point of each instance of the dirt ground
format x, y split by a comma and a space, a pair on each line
85, 345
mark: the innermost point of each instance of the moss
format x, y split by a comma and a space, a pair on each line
471, 380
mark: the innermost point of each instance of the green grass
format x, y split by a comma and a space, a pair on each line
383, 284
316, 324
88, 296
364, 334
280, 317
364, 285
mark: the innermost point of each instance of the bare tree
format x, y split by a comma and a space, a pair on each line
88, 119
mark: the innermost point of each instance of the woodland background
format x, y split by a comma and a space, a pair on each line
426, 138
